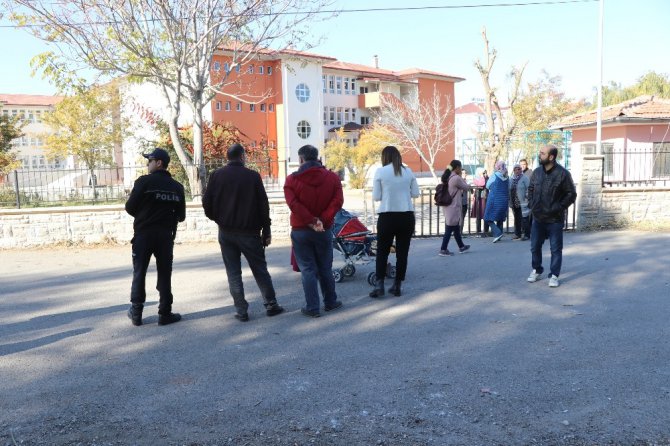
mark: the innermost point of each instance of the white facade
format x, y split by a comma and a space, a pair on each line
301, 111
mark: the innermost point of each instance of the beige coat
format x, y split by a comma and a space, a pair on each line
453, 214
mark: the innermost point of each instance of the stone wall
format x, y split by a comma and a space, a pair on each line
599, 207
101, 224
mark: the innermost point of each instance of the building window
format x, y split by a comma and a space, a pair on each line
353, 115
262, 108
217, 66
347, 115
227, 107
304, 129
353, 86
608, 153
364, 90
325, 115
237, 68
260, 69
331, 113
271, 108
302, 92
338, 84
252, 107
346, 85
218, 105
226, 67
238, 107
365, 120
269, 71
661, 166
588, 149
324, 83
250, 70
340, 115
331, 84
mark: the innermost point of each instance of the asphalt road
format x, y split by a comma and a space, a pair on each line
471, 354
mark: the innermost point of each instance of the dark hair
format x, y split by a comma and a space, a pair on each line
235, 152
453, 165
391, 155
308, 153
553, 150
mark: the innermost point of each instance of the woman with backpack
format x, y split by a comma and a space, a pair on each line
455, 186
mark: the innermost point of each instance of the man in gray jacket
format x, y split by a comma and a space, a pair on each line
550, 194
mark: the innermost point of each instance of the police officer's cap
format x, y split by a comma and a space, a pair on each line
158, 154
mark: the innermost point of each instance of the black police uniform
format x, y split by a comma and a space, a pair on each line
157, 202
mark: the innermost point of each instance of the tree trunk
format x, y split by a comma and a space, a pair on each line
198, 158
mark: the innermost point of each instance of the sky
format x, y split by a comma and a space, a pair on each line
560, 38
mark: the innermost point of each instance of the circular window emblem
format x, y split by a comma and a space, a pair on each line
302, 92
304, 129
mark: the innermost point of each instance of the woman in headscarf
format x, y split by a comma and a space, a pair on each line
518, 201
497, 200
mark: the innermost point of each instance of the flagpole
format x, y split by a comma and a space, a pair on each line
599, 115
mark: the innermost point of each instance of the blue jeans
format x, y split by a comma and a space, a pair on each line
538, 234
496, 227
232, 247
456, 230
314, 254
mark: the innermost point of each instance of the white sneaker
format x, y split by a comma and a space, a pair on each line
553, 281
497, 239
534, 276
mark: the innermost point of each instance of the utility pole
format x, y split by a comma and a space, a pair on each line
599, 115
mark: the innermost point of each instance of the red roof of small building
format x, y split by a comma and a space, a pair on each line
29, 99
641, 108
384, 74
470, 107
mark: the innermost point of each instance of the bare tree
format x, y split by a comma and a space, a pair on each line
169, 43
424, 125
500, 127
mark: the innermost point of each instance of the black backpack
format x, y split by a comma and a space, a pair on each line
442, 196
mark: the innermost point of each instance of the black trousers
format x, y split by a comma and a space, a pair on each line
390, 225
159, 243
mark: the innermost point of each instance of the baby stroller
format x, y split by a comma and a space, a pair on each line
357, 245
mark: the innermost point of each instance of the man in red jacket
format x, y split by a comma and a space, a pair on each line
314, 195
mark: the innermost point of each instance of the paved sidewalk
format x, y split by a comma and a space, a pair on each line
471, 354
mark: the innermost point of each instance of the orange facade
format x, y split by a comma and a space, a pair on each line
253, 94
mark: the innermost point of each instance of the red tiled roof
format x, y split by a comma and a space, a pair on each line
471, 107
29, 99
381, 73
275, 53
642, 107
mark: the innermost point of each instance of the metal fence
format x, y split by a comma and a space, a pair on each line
430, 220
637, 167
102, 185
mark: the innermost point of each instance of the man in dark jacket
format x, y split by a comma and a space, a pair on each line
550, 194
235, 199
158, 204
314, 195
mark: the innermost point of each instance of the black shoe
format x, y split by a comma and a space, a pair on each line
243, 317
135, 315
273, 310
378, 290
170, 318
310, 313
335, 306
395, 288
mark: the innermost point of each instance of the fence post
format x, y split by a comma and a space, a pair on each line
16, 189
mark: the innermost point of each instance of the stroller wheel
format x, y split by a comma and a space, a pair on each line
349, 270
337, 275
372, 278
390, 271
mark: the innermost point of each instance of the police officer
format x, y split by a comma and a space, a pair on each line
157, 202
